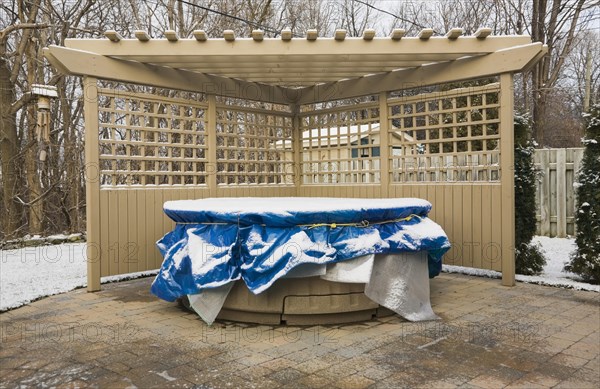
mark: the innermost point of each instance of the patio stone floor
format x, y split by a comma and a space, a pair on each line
490, 336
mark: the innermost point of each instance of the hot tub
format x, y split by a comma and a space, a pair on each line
301, 260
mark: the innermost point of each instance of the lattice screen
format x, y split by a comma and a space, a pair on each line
341, 145
151, 140
446, 136
253, 146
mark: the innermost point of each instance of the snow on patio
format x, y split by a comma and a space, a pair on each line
29, 273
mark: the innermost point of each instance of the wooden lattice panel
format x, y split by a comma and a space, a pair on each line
341, 145
151, 140
447, 136
251, 146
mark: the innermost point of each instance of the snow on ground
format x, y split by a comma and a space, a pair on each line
29, 273
557, 252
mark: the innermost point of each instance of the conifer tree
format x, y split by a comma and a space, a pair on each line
585, 261
529, 258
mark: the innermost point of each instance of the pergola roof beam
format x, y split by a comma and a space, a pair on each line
312, 69
198, 61
290, 66
247, 47
503, 61
77, 62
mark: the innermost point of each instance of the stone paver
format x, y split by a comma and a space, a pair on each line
490, 336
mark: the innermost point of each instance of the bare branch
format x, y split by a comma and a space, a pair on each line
24, 100
21, 26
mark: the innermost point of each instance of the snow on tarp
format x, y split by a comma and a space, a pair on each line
260, 240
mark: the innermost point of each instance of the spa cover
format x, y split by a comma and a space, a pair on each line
216, 241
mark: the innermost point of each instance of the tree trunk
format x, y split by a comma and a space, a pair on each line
9, 156
36, 204
539, 115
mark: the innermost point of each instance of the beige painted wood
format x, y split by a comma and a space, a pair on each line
92, 187
82, 63
143, 160
507, 179
467, 224
297, 145
497, 251
488, 243
104, 233
460, 226
132, 248
292, 64
474, 246
508, 60
276, 47
211, 134
384, 144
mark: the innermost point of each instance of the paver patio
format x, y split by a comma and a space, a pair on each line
491, 336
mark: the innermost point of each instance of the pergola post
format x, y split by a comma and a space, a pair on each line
384, 145
296, 147
92, 187
507, 179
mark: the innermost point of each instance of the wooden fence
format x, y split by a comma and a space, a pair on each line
555, 192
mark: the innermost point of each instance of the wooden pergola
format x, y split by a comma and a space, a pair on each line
453, 147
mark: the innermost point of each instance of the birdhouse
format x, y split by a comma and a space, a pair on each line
43, 94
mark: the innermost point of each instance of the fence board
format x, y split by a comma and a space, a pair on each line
555, 193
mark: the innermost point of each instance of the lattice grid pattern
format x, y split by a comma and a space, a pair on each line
251, 146
341, 145
446, 136
151, 140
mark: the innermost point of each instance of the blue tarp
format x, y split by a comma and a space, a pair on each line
216, 241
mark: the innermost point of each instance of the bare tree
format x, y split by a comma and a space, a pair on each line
556, 23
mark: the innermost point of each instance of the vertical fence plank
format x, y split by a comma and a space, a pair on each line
545, 193
140, 247
476, 227
104, 234
561, 193
132, 246
486, 226
467, 225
